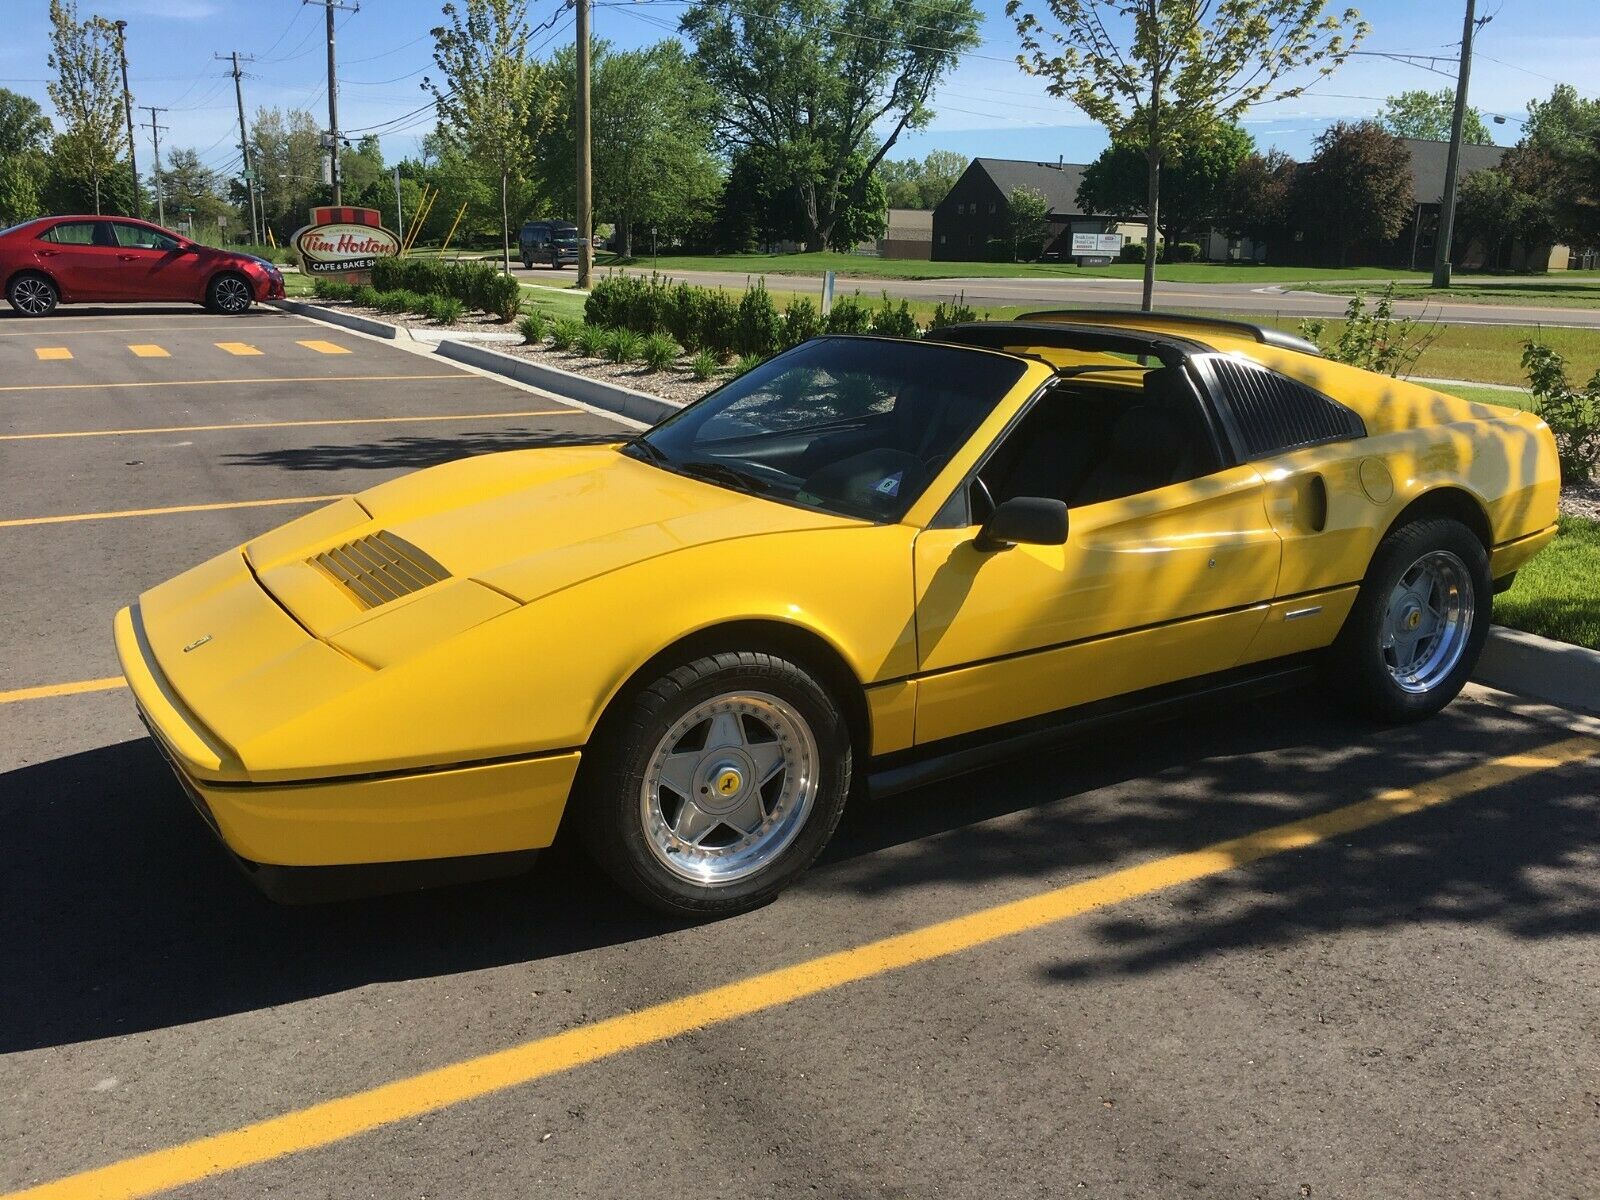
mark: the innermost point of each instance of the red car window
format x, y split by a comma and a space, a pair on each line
142, 237
70, 233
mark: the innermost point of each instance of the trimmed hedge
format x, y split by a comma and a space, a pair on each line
476, 285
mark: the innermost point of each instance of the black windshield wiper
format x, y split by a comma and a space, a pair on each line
721, 472
648, 452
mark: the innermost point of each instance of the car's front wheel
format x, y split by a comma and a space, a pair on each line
229, 294
1419, 624
714, 787
32, 295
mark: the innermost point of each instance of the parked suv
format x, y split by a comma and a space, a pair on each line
553, 242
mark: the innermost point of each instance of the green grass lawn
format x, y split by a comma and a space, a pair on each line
1556, 595
1558, 291
1477, 395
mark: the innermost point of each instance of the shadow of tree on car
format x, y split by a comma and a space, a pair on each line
412, 452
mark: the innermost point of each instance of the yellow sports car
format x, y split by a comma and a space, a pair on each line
865, 562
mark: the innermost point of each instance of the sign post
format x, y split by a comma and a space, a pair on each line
343, 243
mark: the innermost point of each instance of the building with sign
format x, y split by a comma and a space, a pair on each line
977, 211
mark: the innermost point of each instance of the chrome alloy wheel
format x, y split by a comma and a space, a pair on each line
729, 787
232, 294
1428, 621
32, 296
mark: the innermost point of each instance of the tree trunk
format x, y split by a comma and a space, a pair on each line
505, 224
625, 236
97, 195
1152, 223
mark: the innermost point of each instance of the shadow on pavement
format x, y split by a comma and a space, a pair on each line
70, 312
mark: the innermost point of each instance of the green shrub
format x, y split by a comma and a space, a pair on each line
624, 346
565, 332
532, 327
1185, 252
660, 352
685, 308
396, 301
894, 320
958, 312
849, 314
801, 322
365, 295
476, 284
1572, 413
1132, 252
719, 323
703, 365
330, 289
760, 329
446, 310
592, 340
608, 300
1375, 339
999, 250
747, 363
504, 296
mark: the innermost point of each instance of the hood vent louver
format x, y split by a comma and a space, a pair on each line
379, 568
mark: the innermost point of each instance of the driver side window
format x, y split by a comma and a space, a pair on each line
139, 238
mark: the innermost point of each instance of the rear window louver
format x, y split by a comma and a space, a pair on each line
379, 568
1270, 414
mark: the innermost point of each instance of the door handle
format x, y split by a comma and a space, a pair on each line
127, 257
48, 253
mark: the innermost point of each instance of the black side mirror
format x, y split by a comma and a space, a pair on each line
1029, 520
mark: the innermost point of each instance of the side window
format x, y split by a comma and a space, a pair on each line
70, 233
140, 237
1267, 414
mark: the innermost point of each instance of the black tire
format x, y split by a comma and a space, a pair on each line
527, 263
1358, 666
32, 295
229, 294
609, 797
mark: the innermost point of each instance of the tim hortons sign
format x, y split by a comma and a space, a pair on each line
344, 243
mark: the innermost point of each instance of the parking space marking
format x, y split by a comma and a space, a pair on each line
147, 350
168, 383
50, 690
444, 1087
242, 349
85, 433
324, 347
51, 353
164, 512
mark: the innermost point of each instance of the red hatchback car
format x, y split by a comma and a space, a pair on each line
73, 260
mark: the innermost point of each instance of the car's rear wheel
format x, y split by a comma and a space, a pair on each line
229, 294
1419, 624
712, 788
32, 295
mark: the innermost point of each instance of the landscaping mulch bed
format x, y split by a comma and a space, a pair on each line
1581, 500
675, 383
473, 322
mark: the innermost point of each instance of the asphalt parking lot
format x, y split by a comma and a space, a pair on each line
1376, 979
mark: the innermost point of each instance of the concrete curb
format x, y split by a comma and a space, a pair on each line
596, 393
348, 320
1530, 665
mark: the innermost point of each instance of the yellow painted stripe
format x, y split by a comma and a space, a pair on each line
46, 691
239, 348
324, 347
51, 353
163, 512
406, 1099
84, 433
171, 383
147, 350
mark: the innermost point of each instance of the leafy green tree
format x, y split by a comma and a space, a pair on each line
1196, 179
485, 97
865, 215
651, 117
910, 183
1258, 201
24, 143
815, 83
1420, 113
1164, 73
286, 155
760, 204
87, 93
1356, 188
1030, 223
191, 189
1558, 162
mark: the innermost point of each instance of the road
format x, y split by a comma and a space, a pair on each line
1125, 293
1389, 1002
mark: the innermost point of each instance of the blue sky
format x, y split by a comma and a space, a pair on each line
987, 107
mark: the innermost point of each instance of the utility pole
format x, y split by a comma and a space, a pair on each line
244, 141
585, 215
1447, 203
127, 108
333, 96
155, 138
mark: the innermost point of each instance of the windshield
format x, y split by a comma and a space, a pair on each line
855, 426
565, 237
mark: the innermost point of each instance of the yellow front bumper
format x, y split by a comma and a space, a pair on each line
451, 812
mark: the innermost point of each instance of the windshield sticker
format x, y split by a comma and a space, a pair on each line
890, 485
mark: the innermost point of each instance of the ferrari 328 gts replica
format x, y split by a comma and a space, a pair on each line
865, 562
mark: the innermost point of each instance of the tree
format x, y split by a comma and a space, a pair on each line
803, 83
1427, 115
193, 189
651, 116
760, 204
909, 183
1196, 180
1030, 223
486, 97
1258, 202
87, 93
1558, 162
1356, 188
286, 156
24, 143
1491, 209
1181, 67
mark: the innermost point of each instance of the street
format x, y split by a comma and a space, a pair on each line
1390, 1000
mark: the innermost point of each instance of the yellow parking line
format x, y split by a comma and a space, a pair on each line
169, 383
324, 347
240, 348
49, 690
163, 512
147, 350
406, 1099
83, 433
51, 353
